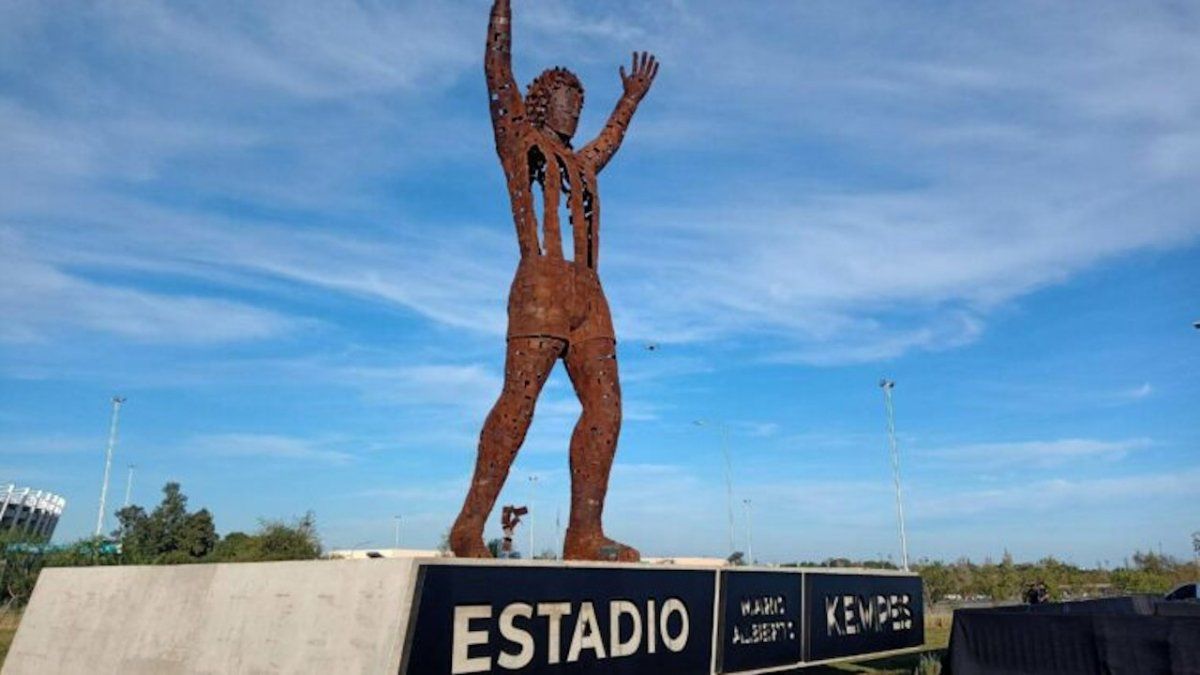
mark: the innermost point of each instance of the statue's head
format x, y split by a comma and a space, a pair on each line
554, 100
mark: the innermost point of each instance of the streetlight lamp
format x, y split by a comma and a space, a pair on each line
112, 442
724, 430
887, 386
397, 517
749, 534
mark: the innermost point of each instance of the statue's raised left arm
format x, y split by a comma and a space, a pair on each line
504, 97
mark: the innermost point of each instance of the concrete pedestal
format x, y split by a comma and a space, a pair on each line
436, 615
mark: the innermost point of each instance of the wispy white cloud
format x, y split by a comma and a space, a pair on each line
438, 492
55, 444
267, 446
311, 49
1140, 392
933, 207
1072, 494
1038, 454
39, 299
472, 385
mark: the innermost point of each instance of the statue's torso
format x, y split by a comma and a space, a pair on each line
541, 159
551, 295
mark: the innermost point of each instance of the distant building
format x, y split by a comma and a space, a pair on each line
692, 562
361, 553
27, 510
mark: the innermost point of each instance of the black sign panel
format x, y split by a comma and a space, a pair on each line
760, 620
475, 619
858, 614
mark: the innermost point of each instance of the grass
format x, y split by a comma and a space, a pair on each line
8, 628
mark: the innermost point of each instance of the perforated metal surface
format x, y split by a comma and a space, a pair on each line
556, 307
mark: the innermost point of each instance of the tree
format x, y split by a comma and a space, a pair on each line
235, 546
274, 540
169, 534
279, 541
193, 538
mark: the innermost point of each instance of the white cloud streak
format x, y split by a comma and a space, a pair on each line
267, 446
40, 299
1037, 454
849, 194
1068, 495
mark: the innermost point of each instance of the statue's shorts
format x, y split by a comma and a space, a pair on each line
552, 297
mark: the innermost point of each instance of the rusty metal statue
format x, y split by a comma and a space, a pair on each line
556, 306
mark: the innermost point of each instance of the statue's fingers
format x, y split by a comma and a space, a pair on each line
633, 66
654, 71
645, 57
622, 69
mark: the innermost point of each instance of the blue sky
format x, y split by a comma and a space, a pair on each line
281, 231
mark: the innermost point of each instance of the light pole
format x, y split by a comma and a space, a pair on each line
397, 531
533, 479
558, 532
129, 484
887, 386
749, 533
724, 430
112, 442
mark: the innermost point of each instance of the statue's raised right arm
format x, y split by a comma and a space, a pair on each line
636, 84
508, 110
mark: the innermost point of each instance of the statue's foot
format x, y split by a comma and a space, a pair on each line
593, 545
468, 543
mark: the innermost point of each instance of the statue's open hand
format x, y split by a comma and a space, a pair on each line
638, 81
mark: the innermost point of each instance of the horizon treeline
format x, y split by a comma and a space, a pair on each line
1006, 581
167, 535
170, 535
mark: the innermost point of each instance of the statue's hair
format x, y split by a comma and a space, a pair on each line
537, 96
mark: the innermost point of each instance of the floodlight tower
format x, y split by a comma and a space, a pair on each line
533, 479
724, 430
112, 442
129, 483
887, 386
558, 543
749, 533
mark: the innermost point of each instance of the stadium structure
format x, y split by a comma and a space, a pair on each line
32, 511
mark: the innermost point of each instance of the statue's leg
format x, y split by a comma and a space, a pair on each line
592, 366
526, 368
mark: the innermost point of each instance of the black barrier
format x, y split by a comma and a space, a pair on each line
1133, 635
853, 614
475, 619
760, 620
